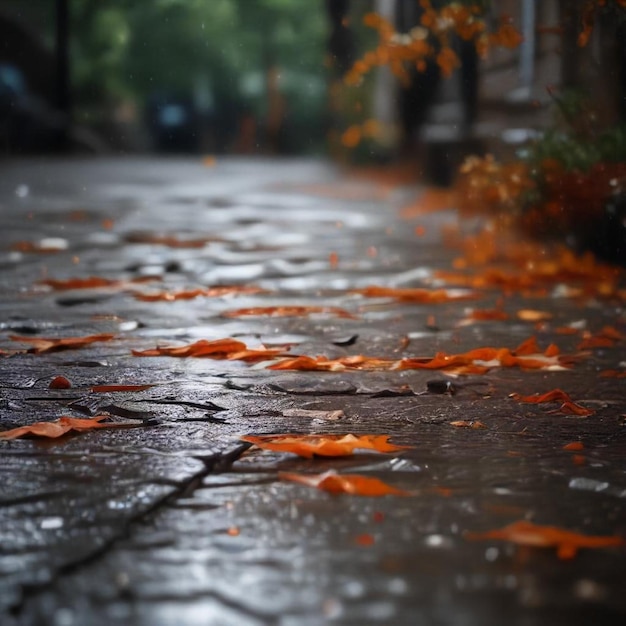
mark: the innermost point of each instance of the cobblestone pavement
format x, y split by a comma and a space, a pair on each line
177, 522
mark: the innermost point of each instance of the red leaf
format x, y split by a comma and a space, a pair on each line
414, 295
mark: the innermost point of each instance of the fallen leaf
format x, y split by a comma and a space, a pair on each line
414, 295
566, 542
568, 406
227, 348
323, 445
93, 282
289, 311
47, 344
555, 395
532, 315
467, 424
114, 388
605, 338
190, 294
352, 484
60, 427
167, 240
613, 373
571, 408
365, 539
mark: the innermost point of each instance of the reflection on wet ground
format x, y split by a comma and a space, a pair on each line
177, 522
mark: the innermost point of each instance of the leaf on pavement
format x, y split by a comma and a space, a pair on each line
289, 311
532, 315
323, 445
467, 424
93, 282
568, 406
60, 427
190, 294
605, 338
41, 345
227, 348
353, 484
566, 542
415, 295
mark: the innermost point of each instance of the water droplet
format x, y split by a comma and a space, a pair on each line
22, 191
51, 523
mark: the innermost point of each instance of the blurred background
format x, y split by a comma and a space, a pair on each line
265, 76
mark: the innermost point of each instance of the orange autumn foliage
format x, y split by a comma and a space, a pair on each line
60, 427
167, 240
566, 542
414, 295
227, 348
475, 424
323, 445
568, 406
93, 282
41, 345
190, 294
605, 338
352, 484
289, 311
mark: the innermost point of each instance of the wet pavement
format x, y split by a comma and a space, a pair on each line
175, 521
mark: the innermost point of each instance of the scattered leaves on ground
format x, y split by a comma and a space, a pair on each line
352, 484
323, 445
566, 542
93, 282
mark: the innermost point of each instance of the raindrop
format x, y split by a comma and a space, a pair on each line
51, 523
588, 484
491, 554
22, 191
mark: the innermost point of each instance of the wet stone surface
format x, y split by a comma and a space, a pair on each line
174, 521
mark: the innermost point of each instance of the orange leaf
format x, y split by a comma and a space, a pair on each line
93, 282
414, 295
59, 427
571, 408
467, 424
353, 484
289, 311
566, 542
606, 338
44, 344
613, 373
108, 388
217, 349
323, 445
210, 292
531, 315
556, 395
